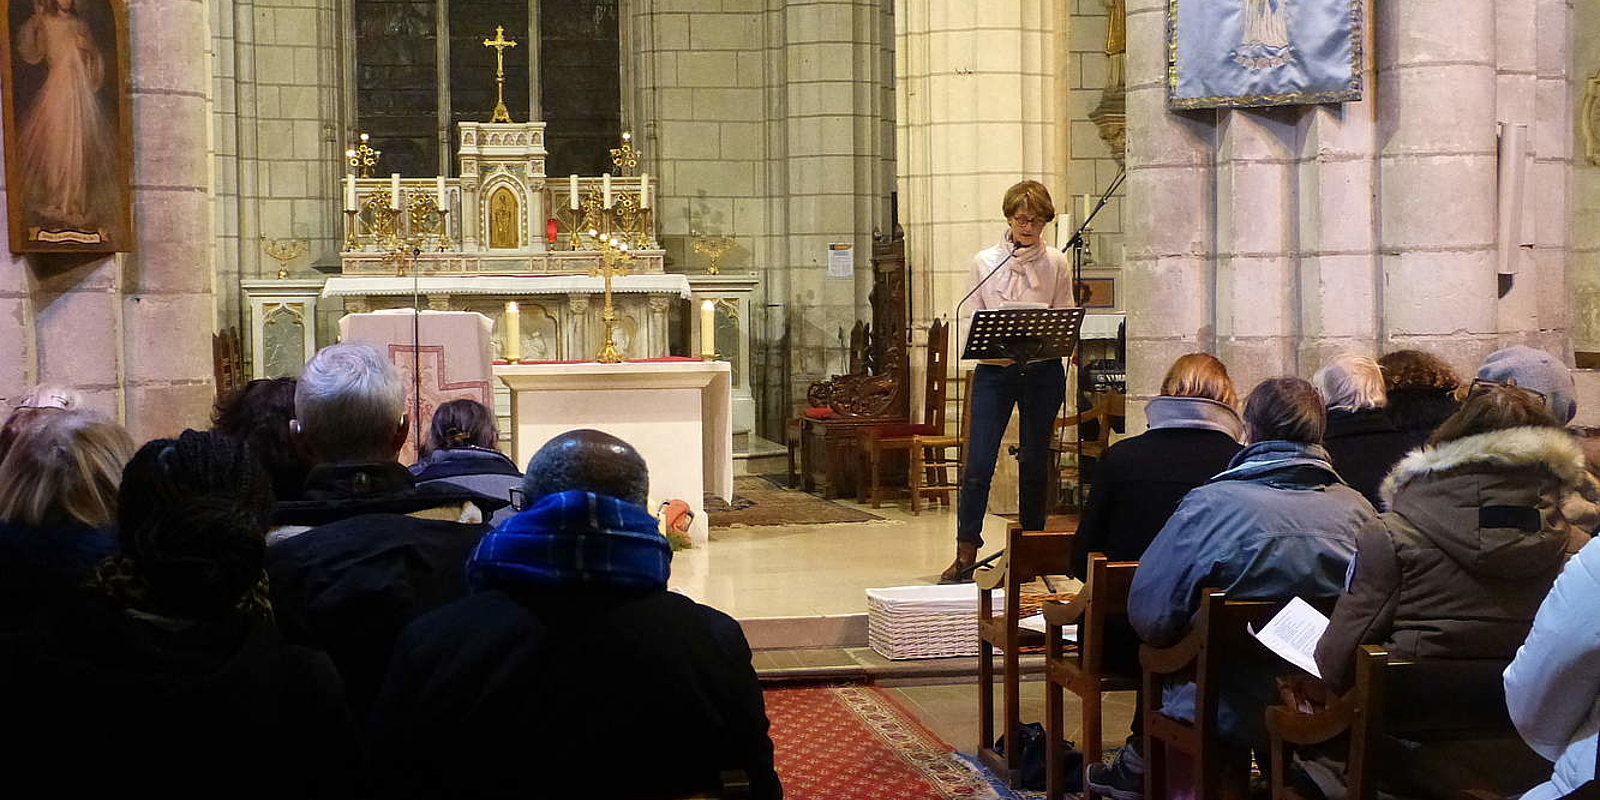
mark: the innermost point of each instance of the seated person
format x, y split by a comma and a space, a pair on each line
1361, 439
364, 550
1453, 573
1194, 432
1553, 684
58, 506
614, 686
171, 680
1278, 523
460, 451
259, 415
1421, 391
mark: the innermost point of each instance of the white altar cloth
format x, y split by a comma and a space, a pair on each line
677, 414
502, 285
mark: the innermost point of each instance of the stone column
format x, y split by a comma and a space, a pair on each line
1436, 104
1516, 89
168, 303
1552, 181
1171, 194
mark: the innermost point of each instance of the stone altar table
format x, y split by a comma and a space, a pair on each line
677, 413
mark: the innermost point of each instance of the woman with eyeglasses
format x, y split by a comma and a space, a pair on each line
1452, 576
1020, 271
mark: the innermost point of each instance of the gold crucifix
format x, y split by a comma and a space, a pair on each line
614, 260
500, 43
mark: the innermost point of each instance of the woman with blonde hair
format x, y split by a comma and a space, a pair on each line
1361, 439
58, 501
1194, 433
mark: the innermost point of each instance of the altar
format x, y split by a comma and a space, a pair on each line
677, 413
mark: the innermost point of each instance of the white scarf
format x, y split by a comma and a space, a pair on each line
1019, 275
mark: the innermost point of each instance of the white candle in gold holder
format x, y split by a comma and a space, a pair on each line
708, 329
605, 184
350, 192
394, 191
644, 190
513, 332
572, 192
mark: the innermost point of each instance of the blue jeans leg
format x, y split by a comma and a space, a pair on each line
993, 395
1044, 387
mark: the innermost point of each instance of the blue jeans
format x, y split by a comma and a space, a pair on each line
1037, 390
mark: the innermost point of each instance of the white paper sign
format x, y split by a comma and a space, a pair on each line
841, 260
1293, 634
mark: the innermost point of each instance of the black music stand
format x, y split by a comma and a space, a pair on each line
1023, 334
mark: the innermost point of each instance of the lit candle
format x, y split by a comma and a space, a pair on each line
513, 332
350, 192
644, 190
394, 190
572, 192
708, 329
605, 182
438, 190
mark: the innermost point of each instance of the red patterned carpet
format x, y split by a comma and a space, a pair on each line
854, 743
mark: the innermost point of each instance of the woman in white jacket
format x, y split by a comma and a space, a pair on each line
1553, 685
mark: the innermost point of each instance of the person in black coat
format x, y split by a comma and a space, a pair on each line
1361, 439
171, 680
1193, 434
1421, 390
460, 451
364, 550
571, 672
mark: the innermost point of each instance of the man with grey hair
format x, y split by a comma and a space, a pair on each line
365, 549
570, 622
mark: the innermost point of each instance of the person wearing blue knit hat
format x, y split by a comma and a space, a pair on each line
1536, 371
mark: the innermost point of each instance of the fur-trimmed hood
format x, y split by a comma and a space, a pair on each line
1552, 448
1492, 502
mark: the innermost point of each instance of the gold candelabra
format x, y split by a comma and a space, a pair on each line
284, 251
614, 259
625, 157
404, 233
363, 157
713, 247
500, 43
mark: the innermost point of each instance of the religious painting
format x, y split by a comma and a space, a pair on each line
1248, 53
503, 216
68, 140
1097, 293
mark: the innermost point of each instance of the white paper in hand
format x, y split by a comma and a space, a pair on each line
1293, 634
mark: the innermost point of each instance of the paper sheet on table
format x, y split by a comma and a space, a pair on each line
1069, 633
1293, 634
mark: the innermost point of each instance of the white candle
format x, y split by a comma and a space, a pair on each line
350, 192
644, 190
708, 328
394, 190
605, 182
513, 332
1087, 207
572, 192
438, 190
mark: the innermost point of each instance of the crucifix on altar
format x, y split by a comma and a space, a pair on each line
500, 43
614, 259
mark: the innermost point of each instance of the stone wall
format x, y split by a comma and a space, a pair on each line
1091, 167
132, 332
1277, 238
1584, 277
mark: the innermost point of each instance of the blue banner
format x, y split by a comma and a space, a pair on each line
1232, 53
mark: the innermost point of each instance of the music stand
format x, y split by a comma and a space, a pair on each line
1023, 334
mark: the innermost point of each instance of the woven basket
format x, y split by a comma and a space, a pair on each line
923, 621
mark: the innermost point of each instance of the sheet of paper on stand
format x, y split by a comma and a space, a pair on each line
1069, 633
1293, 634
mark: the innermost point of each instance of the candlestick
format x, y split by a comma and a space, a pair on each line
1087, 207
572, 192
350, 192
513, 332
394, 191
439, 194
708, 329
605, 182
644, 190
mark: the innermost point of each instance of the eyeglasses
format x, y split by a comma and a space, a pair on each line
1028, 222
1480, 386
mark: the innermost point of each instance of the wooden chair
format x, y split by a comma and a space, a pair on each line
1217, 643
1108, 406
936, 461
1082, 671
227, 362
1028, 555
875, 442
1474, 708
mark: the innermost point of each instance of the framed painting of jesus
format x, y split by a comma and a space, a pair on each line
1250, 53
68, 125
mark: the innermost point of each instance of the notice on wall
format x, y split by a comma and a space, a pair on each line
841, 260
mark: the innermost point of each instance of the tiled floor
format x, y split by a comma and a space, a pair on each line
801, 570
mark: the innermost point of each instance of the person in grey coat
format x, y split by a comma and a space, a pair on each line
460, 451
1277, 524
